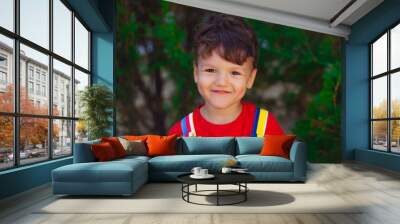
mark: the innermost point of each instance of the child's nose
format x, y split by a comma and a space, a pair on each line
222, 78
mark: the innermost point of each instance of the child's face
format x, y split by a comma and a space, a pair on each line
222, 83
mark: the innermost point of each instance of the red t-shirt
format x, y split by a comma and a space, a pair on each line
241, 126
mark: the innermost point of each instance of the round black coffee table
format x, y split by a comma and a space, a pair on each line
238, 179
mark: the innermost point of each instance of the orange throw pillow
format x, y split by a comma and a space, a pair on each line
161, 145
116, 145
103, 151
135, 137
277, 145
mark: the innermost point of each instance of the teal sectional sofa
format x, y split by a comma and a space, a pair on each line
125, 176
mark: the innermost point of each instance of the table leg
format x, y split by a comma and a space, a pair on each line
188, 189
245, 193
196, 188
217, 194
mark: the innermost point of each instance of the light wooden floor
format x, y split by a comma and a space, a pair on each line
378, 188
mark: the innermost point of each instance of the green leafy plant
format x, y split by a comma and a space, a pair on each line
96, 102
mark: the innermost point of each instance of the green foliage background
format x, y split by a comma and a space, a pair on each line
298, 79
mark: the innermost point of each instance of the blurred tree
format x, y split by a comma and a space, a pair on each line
152, 51
307, 68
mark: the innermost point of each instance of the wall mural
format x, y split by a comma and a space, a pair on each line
298, 78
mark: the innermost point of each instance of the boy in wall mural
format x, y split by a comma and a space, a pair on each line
225, 66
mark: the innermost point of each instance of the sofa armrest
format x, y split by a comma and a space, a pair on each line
83, 152
298, 155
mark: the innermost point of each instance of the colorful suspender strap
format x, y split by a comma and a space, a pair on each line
187, 126
191, 123
260, 122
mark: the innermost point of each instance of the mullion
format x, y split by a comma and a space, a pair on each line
386, 73
50, 87
6, 32
73, 82
89, 55
389, 106
16, 84
35, 115
385, 119
371, 89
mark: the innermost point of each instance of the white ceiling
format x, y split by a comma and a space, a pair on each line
321, 9
315, 15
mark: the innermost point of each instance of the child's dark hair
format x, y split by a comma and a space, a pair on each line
230, 36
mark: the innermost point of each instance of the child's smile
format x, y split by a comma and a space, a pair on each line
222, 92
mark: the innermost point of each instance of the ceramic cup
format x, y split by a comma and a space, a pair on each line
203, 172
226, 170
196, 170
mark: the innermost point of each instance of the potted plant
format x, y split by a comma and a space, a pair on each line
96, 102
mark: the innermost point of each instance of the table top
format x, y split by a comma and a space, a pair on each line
220, 178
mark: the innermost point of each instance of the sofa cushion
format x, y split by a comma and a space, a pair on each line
134, 147
161, 145
249, 145
206, 145
111, 171
185, 163
116, 145
277, 145
135, 137
257, 163
103, 151
132, 158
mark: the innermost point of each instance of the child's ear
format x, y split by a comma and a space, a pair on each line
195, 73
251, 79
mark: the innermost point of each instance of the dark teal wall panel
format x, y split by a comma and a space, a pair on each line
356, 119
375, 22
103, 63
357, 100
102, 58
24, 178
90, 12
376, 158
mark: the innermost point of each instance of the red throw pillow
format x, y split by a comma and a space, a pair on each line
161, 145
277, 145
103, 151
116, 145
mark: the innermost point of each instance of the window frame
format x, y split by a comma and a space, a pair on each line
16, 115
388, 74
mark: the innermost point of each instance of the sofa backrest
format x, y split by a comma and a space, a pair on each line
83, 152
191, 146
249, 145
206, 145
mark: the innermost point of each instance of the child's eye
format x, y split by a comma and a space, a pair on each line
236, 73
210, 70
